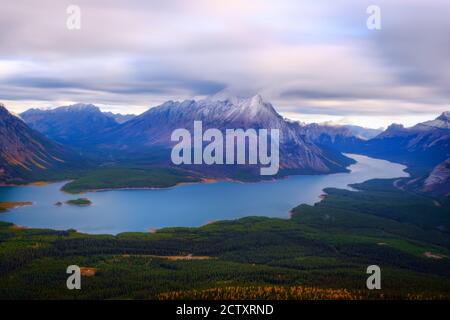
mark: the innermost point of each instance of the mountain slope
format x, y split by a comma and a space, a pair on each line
154, 127
438, 181
73, 125
426, 144
441, 122
26, 154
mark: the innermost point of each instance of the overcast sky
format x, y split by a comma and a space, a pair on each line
314, 60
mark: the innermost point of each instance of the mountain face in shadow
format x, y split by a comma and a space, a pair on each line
26, 154
74, 125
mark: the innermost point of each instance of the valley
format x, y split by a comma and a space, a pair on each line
321, 252
334, 208
225, 150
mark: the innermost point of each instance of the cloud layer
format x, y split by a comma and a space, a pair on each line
310, 58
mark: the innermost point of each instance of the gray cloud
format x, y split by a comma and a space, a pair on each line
305, 56
42, 82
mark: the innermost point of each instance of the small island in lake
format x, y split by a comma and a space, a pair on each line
80, 202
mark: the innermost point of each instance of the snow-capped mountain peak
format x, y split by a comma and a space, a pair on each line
445, 116
227, 95
81, 107
441, 122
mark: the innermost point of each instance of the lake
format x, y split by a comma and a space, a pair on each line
190, 205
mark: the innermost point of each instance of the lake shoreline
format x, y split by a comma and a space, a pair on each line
10, 205
202, 181
193, 206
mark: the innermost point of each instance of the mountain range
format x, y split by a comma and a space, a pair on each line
422, 146
154, 127
304, 148
86, 128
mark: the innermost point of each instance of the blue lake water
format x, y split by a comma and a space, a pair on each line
185, 205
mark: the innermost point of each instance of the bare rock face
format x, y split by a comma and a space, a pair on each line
438, 181
24, 152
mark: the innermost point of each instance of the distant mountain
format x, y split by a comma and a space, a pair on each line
339, 138
424, 148
356, 131
325, 134
363, 133
26, 154
441, 122
119, 118
153, 128
74, 125
426, 144
421, 147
